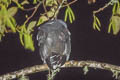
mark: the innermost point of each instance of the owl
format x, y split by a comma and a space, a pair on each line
54, 43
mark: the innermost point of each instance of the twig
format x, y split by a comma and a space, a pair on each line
70, 3
56, 12
29, 9
101, 9
111, 2
40, 68
35, 9
44, 6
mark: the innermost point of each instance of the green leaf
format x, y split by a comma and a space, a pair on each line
115, 24
31, 26
10, 24
85, 69
94, 25
98, 21
25, 2
23, 77
114, 27
49, 2
28, 42
34, 1
6, 2
114, 9
109, 27
21, 34
97, 27
69, 13
21, 38
3, 11
50, 14
0, 37
18, 4
41, 20
94, 22
12, 11
118, 5
13, 21
66, 15
72, 14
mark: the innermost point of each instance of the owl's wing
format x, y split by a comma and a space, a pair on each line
41, 37
67, 43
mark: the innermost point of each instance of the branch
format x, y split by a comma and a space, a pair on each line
101, 9
111, 2
35, 9
40, 68
69, 3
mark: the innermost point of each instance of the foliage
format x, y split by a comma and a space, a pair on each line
8, 22
85, 69
51, 7
69, 13
114, 24
52, 74
96, 23
115, 19
23, 77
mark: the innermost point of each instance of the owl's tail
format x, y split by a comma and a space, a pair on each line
55, 60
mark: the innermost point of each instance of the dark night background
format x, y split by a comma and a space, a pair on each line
87, 44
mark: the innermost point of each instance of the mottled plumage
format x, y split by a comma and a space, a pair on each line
54, 43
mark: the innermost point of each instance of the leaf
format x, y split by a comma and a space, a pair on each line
10, 24
30, 26
49, 2
94, 25
28, 42
18, 4
12, 11
50, 14
25, 2
23, 77
13, 21
72, 14
3, 11
115, 24
97, 27
69, 13
85, 69
6, 2
118, 5
66, 15
98, 21
21, 38
70, 17
34, 1
0, 37
41, 20
15, 0
109, 27
114, 28
21, 33
114, 9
